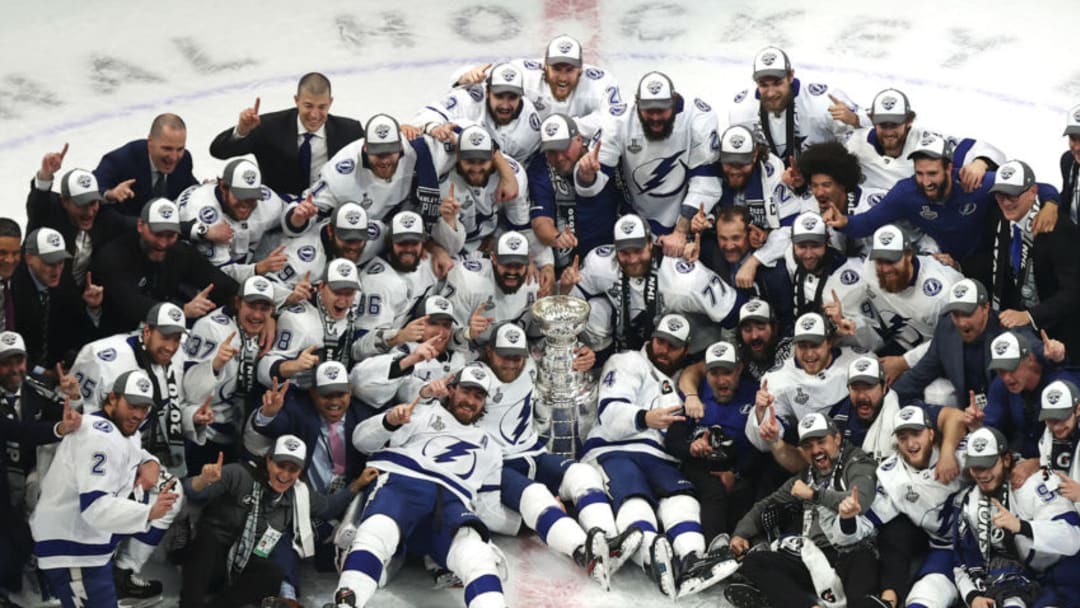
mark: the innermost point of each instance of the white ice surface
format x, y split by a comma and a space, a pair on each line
93, 74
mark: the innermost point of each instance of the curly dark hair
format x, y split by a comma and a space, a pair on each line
831, 158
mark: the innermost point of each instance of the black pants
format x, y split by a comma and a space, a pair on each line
205, 567
901, 544
784, 579
720, 509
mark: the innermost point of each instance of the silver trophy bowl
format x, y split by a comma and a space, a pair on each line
564, 400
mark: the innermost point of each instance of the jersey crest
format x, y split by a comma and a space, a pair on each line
662, 177
457, 455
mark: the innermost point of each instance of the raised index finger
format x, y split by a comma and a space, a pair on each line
230, 338
64, 151
206, 290
256, 108
451, 195
835, 297
1045, 338
220, 459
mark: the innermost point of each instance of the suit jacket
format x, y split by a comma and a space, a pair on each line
299, 417
1070, 172
133, 284
274, 144
43, 208
944, 358
132, 160
69, 325
1057, 280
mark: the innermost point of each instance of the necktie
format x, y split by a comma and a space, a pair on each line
83, 249
9, 308
161, 186
305, 157
1016, 248
44, 295
337, 448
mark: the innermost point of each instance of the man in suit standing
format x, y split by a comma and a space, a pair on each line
1036, 277
291, 146
156, 167
51, 317
1070, 166
75, 212
10, 255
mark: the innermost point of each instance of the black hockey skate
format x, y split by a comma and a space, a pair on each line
593, 557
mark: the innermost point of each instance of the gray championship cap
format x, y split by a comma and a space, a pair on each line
815, 425
1013, 178
47, 244
808, 227
510, 341
11, 343
406, 226
289, 448
243, 179
722, 354
475, 142
1007, 350
771, 62
984, 447
257, 289
889, 243
737, 146
655, 92
438, 308
811, 327
755, 310
890, 106
476, 375
382, 135
674, 328
910, 417
505, 78
1072, 121
81, 187
351, 223
556, 133
512, 248
331, 378
631, 232
865, 369
167, 318
931, 145
135, 387
1059, 399
965, 296
341, 273
161, 215
563, 49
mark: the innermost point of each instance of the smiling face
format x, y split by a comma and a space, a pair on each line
313, 109
48, 274
239, 209
563, 161
81, 217
12, 372
476, 171
466, 403
892, 136
336, 301
167, 148
10, 254
933, 177
813, 357
809, 255
657, 123
866, 398
562, 78
774, 92
405, 255
332, 406
160, 347
733, 238
507, 369
127, 417
156, 245
821, 452
828, 192
916, 446
992, 478
252, 316
1014, 208
503, 107
895, 277
383, 166
737, 175
634, 261
759, 338
282, 475
666, 356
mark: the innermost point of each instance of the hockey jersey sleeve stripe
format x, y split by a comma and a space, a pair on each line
488, 583
87, 498
151, 537
365, 562
681, 528
67, 548
404, 461
606, 402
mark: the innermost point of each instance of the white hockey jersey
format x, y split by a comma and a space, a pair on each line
590, 101
388, 299
379, 383
629, 383
306, 255
1054, 524
882, 172
465, 106
684, 287
303, 325
915, 493
659, 176
472, 283
345, 177
1055, 456
200, 206
907, 318
797, 393
813, 123
100, 363
479, 212
435, 447
232, 384
84, 510
509, 417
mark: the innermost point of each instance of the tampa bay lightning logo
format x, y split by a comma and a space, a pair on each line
849, 277
515, 421
208, 215
306, 253
345, 166
662, 177
103, 426
931, 287
453, 455
109, 354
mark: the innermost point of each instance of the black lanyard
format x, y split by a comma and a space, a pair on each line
631, 333
789, 128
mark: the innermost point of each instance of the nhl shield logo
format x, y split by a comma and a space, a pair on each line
352, 217
382, 131
143, 385
768, 58
551, 129
654, 86
53, 240
1053, 396
408, 221
1006, 172
565, 46
249, 177
980, 444
292, 444
809, 222
959, 291
862, 365
1000, 347
83, 181
476, 138
888, 102
175, 314
737, 141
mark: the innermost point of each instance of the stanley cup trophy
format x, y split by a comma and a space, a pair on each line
565, 400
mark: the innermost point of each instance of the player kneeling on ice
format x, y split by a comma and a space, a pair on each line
811, 561
637, 403
439, 470
531, 476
